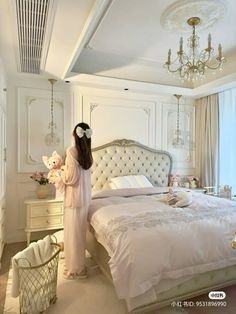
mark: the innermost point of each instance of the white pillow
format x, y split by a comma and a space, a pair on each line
138, 181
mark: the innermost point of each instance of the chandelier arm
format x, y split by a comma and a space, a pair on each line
212, 67
180, 67
172, 71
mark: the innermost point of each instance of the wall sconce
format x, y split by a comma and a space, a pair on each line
52, 139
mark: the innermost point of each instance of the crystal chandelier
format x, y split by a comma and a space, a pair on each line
193, 65
178, 141
52, 138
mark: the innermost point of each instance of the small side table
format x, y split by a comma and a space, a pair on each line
199, 190
43, 214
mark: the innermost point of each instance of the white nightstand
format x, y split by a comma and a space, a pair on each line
43, 214
199, 190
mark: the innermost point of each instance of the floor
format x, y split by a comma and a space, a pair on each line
9, 251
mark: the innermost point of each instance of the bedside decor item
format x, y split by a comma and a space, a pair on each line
225, 191
52, 139
193, 182
42, 187
42, 191
174, 180
39, 177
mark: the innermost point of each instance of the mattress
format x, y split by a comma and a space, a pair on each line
154, 247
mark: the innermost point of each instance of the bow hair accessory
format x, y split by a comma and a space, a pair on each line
80, 132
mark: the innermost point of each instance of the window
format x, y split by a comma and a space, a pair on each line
227, 138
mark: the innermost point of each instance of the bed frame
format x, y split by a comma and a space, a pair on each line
126, 157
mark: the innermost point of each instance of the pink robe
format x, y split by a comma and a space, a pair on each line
76, 183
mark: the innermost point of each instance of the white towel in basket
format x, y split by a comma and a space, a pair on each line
35, 254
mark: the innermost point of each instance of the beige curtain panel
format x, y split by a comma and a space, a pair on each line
207, 140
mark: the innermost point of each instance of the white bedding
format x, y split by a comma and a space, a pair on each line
149, 242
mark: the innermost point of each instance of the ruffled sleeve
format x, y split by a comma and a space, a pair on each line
70, 173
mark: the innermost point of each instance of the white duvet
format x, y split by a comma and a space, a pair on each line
149, 241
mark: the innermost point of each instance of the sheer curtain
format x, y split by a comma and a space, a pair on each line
207, 140
227, 124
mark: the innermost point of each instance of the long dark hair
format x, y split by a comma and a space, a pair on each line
83, 146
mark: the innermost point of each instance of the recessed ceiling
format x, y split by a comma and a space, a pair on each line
131, 42
120, 39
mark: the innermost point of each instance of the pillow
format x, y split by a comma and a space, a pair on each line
138, 181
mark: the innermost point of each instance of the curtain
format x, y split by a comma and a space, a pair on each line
207, 140
227, 152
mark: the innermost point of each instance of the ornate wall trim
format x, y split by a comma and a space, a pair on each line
33, 120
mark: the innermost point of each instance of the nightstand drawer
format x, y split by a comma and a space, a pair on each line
43, 215
45, 210
47, 222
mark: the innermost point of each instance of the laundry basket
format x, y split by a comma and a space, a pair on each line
38, 284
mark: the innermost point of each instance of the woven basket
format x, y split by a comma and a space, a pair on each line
38, 284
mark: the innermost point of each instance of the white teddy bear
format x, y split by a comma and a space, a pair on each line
54, 164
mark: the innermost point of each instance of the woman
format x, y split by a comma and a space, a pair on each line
75, 180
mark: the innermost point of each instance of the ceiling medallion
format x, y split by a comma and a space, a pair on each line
209, 11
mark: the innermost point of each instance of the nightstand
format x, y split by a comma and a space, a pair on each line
199, 190
43, 214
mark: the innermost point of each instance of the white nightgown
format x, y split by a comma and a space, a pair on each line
76, 183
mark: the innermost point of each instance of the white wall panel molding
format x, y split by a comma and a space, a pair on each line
24, 190
33, 125
112, 118
77, 109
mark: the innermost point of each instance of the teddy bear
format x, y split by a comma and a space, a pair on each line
54, 164
174, 180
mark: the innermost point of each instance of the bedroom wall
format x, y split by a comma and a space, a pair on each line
20, 106
149, 119
3, 88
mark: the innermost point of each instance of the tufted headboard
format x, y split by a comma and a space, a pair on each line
127, 157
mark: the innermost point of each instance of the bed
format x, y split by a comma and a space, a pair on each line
129, 227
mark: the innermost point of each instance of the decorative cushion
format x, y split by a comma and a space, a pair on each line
123, 182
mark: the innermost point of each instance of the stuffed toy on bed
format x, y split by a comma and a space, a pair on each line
54, 164
178, 198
